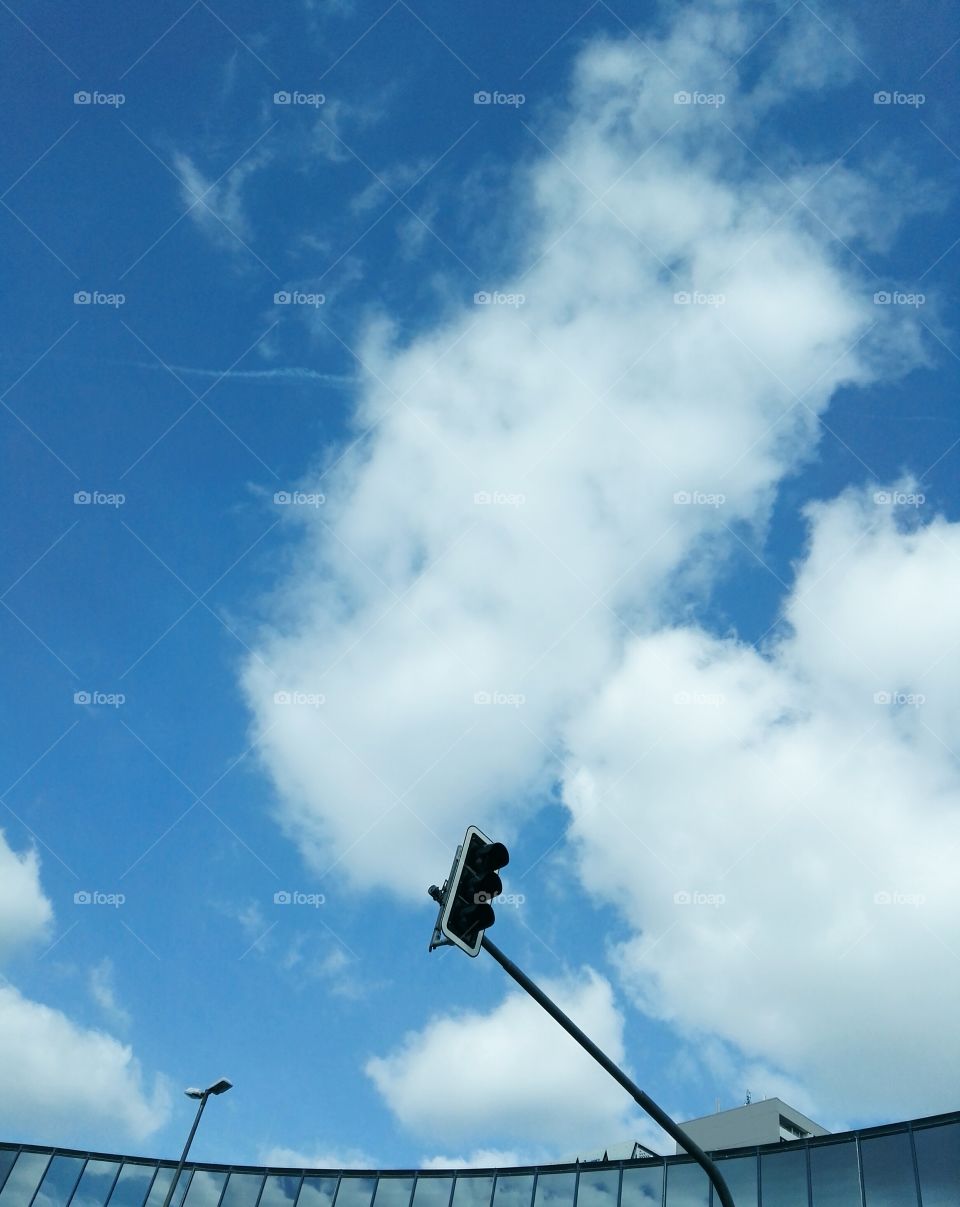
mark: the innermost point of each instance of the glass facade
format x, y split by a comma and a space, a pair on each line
915, 1164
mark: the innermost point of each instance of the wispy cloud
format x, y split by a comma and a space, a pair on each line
279, 373
103, 991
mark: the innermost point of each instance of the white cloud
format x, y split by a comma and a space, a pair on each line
481, 1158
60, 1080
25, 911
317, 1158
491, 584
580, 413
256, 929
518, 1078
807, 802
217, 205
104, 993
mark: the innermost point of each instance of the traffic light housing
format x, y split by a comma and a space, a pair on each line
467, 910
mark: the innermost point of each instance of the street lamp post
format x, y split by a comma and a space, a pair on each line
218, 1087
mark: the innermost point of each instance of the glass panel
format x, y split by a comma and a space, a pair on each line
317, 1192
783, 1178
132, 1185
242, 1190
280, 1190
22, 1182
888, 1171
687, 1186
740, 1175
938, 1155
472, 1192
353, 1192
393, 1192
432, 1192
58, 1182
513, 1190
205, 1188
834, 1174
641, 1187
598, 1188
7, 1158
161, 1182
95, 1185
555, 1190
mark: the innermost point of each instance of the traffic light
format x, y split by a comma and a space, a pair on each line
467, 910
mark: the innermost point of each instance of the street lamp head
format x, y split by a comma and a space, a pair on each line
218, 1087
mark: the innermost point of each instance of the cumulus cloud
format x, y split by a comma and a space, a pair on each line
559, 1099
796, 818
25, 911
513, 514
317, 1158
481, 1158
56, 1073
488, 602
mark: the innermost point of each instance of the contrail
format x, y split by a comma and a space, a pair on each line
284, 373
281, 373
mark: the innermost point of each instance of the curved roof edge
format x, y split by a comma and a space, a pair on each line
471, 1171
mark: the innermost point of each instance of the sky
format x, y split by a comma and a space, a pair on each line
418, 416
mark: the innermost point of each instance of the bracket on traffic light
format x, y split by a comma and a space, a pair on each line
465, 899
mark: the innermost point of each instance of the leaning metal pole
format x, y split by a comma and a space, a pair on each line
183, 1159
642, 1099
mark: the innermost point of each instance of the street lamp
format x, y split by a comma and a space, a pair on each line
218, 1087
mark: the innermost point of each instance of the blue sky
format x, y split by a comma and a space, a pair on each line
642, 560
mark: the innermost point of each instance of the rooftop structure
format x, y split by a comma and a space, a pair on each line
765, 1122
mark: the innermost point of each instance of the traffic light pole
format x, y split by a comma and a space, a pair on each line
643, 1100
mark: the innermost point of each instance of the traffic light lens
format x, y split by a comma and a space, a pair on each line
487, 887
492, 856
